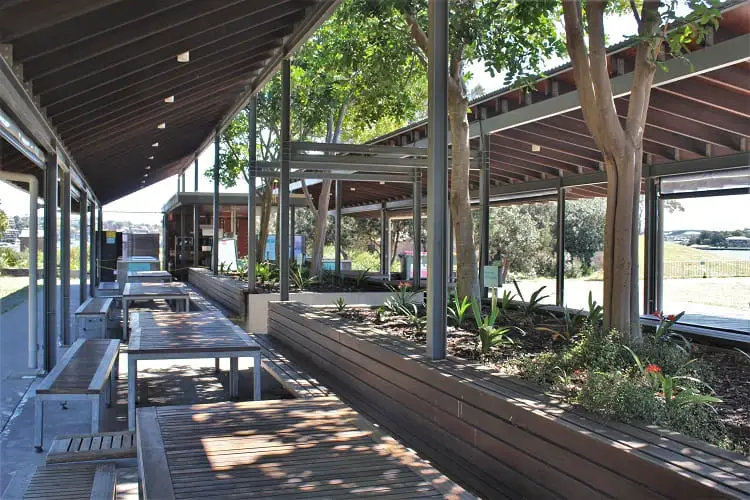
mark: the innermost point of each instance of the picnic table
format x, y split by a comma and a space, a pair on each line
149, 277
186, 335
289, 448
152, 291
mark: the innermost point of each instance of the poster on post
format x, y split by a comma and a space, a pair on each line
228, 254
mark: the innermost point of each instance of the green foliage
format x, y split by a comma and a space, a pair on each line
301, 278
9, 258
361, 277
584, 229
403, 297
596, 312
3, 222
533, 306
266, 272
571, 325
505, 301
412, 317
489, 335
340, 304
242, 267
457, 310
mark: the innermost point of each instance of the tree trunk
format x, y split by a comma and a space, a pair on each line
321, 226
265, 219
460, 206
621, 292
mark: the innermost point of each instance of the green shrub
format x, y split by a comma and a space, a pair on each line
617, 396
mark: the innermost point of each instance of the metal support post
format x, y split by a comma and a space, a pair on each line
292, 230
653, 240
215, 242
164, 243
385, 268
50, 263
252, 140
65, 204
83, 262
183, 234
195, 164
437, 181
451, 244
284, 181
100, 231
417, 227
560, 283
92, 249
196, 236
337, 232
484, 213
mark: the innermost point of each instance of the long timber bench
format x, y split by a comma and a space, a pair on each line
499, 435
91, 447
54, 482
86, 372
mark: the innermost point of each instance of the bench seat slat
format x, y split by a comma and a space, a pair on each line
82, 369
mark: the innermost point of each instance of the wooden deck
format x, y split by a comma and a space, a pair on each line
499, 435
87, 447
282, 448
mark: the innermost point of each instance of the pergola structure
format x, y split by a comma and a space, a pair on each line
99, 98
536, 146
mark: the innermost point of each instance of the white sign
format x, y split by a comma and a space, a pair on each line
228, 254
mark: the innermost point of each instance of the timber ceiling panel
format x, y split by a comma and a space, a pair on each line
102, 69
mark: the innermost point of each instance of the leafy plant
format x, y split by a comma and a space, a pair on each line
670, 387
301, 279
596, 312
340, 304
265, 272
505, 301
413, 318
533, 306
223, 267
403, 296
361, 276
242, 267
457, 310
572, 323
489, 335
379, 314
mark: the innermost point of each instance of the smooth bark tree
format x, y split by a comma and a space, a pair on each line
511, 37
621, 143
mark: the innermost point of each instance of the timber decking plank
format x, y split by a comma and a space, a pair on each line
343, 343
510, 387
89, 447
79, 481
306, 443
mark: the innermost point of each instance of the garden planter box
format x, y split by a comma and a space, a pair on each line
228, 292
499, 435
257, 303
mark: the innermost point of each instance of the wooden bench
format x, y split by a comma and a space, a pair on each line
276, 363
91, 447
92, 318
82, 373
93, 481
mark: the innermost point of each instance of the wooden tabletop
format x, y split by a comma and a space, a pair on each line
149, 274
288, 448
186, 332
160, 290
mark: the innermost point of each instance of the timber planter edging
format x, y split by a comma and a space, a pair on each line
499, 435
228, 292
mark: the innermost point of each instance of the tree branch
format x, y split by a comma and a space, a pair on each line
634, 9
308, 198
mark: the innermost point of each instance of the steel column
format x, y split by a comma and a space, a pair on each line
215, 242
653, 243
337, 231
560, 264
385, 268
65, 257
164, 243
437, 181
417, 230
183, 234
252, 141
100, 231
50, 263
83, 261
484, 213
195, 164
292, 229
284, 181
92, 249
196, 235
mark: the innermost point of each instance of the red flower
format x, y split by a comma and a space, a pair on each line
671, 317
652, 368
657, 314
